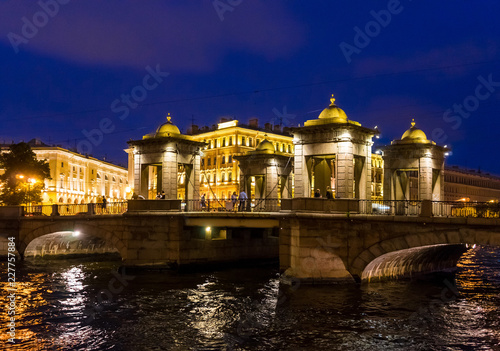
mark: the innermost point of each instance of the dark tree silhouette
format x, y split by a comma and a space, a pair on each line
24, 175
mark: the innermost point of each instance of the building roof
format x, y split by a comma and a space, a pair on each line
334, 113
164, 130
413, 136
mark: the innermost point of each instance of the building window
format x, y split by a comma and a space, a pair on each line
223, 160
257, 142
202, 162
209, 161
230, 176
62, 164
230, 159
223, 142
215, 161
250, 142
243, 141
230, 141
223, 177
289, 149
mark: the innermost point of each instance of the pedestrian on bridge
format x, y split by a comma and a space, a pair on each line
243, 200
104, 203
234, 199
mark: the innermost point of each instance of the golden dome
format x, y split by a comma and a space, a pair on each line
414, 134
167, 128
333, 112
265, 146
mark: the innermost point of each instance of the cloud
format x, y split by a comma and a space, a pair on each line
455, 57
187, 35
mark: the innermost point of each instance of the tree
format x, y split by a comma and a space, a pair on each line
24, 175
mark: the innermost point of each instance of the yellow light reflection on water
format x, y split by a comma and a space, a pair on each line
28, 296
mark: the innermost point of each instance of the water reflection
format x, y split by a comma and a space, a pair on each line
247, 309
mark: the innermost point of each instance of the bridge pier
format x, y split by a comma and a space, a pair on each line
312, 252
332, 248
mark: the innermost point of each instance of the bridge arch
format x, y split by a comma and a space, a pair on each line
27, 236
396, 257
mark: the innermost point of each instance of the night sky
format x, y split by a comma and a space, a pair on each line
67, 70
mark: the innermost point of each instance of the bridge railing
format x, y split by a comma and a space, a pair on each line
390, 207
75, 209
227, 205
465, 209
37, 210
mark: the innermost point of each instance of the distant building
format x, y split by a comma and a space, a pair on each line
76, 178
220, 174
469, 185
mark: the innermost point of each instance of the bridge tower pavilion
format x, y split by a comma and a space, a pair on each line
414, 167
265, 174
333, 151
166, 161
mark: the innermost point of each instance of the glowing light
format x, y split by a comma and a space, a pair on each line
208, 229
228, 124
127, 189
76, 233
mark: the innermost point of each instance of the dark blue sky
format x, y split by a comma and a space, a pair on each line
64, 70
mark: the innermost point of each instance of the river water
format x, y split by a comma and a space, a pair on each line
79, 304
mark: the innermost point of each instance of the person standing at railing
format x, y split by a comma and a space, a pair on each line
317, 193
243, 200
329, 193
203, 202
234, 198
162, 196
104, 203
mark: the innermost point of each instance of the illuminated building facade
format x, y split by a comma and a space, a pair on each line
220, 173
76, 178
470, 185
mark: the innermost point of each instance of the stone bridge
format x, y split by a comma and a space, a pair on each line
320, 247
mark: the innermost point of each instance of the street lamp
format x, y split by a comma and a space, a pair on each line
29, 182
